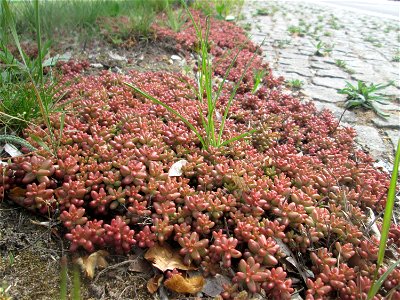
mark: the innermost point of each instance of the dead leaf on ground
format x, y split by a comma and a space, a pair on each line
177, 283
154, 283
89, 263
139, 264
214, 285
17, 194
164, 258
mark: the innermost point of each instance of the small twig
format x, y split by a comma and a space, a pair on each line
340, 119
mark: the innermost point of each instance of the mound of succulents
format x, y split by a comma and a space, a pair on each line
285, 209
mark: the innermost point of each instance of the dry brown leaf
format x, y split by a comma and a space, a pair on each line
139, 264
179, 284
154, 283
17, 194
164, 258
89, 263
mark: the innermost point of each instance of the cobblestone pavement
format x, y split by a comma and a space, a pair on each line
352, 47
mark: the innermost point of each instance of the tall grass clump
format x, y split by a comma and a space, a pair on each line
206, 94
27, 95
80, 17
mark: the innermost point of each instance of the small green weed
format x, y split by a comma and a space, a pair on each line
258, 77
282, 43
262, 12
220, 8
294, 84
363, 95
323, 49
332, 22
267, 11
374, 41
396, 57
343, 65
297, 30
175, 17
4, 292
247, 26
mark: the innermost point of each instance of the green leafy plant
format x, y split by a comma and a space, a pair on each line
385, 228
294, 84
363, 95
205, 87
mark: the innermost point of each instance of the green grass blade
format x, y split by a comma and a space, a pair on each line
387, 215
389, 206
39, 44
41, 143
238, 137
169, 108
63, 278
233, 94
76, 284
377, 284
12, 139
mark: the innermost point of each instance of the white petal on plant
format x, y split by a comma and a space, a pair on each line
230, 18
12, 150
176, 168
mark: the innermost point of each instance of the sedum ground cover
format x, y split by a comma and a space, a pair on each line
285, 210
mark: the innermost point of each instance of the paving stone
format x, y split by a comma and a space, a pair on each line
394, 136
335, 73
370, 140
296, 63
392, 122
323, 94
289, 55
334, 83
